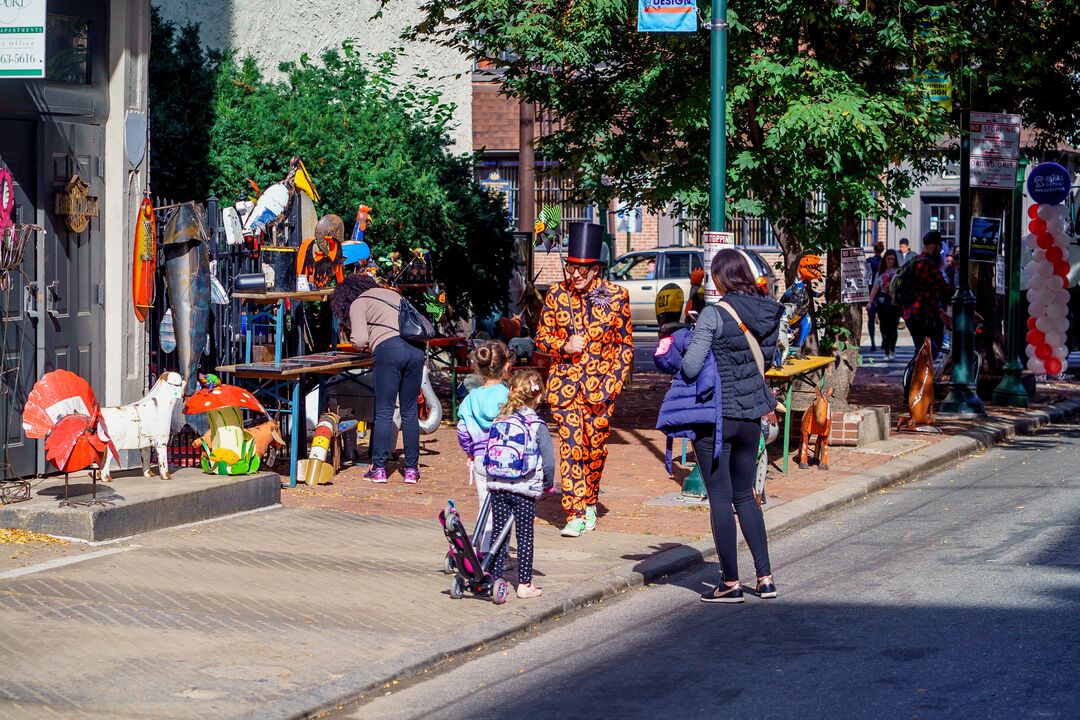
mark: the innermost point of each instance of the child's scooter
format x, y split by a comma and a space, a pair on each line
471, 568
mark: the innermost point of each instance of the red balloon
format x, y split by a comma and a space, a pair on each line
1033, 212
1044, 240
1037, 226
1031, 324
1054, 254
1044, 352
1053, 366
1036, 337
1061, 268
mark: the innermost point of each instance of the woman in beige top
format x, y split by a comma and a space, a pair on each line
369, 313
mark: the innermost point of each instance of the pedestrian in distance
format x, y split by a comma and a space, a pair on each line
924, 294
586, 328
905, 254
491, 363
741, 331
369, 312
872, 264
888, 313
521, 468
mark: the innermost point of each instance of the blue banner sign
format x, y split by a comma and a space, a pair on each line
667, 16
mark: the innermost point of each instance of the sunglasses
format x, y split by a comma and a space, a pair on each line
575, 269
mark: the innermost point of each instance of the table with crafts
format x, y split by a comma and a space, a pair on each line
807, 370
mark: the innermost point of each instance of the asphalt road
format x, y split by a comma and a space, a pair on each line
957, 596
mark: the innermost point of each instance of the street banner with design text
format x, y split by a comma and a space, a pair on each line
667, 16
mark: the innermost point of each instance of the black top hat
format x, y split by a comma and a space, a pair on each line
586, 243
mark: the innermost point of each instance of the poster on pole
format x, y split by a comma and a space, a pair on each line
22, 39
853, 276
999, 275
667, 16
713, 243
985, 239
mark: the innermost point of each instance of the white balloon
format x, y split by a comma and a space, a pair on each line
1044, 324
1059, 212
1064, 366
1055, 226
1057, 311
1061, 352
1029, 351
1055, 338
1045, 211
1035, 365
1031, 241
1062, 241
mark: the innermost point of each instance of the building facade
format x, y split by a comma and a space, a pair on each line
69, 302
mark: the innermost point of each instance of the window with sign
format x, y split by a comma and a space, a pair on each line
945, 218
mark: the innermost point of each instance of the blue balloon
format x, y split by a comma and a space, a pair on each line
1048, 183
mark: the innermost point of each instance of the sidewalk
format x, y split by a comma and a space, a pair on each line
286, 611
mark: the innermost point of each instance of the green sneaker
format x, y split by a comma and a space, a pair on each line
590, 517
574, 528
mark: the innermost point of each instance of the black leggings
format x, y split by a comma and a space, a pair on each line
730, 480
504, 504
889, 319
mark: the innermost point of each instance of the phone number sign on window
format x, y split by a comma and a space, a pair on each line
22, 38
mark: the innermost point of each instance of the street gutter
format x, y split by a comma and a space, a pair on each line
350, 688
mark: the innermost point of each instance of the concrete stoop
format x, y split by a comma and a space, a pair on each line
132, 505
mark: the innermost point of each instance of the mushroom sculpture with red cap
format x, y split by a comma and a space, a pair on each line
231, 449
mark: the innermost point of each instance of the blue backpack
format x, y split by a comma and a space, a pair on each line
512, 452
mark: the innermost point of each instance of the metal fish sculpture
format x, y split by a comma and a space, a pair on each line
187, 280
920, 392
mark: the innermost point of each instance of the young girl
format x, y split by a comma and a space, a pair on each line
517, 496
491, 362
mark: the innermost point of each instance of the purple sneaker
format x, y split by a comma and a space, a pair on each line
412, 476
376, 474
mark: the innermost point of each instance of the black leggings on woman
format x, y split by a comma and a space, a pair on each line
729, 481
889, 318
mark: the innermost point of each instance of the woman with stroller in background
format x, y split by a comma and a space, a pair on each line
741, 331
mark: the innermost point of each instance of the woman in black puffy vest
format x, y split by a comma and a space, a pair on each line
745, 399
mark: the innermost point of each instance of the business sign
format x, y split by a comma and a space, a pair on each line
853, 287
713, 242
991, 172
22, 39
938, 88
499, 186
995, 135
628, 220
667, 16
1048, 183
985, 239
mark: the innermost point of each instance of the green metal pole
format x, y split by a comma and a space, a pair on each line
962, 399
694, 485
1011, 391
718, 115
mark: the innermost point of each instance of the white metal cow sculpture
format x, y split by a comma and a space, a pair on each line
145, 423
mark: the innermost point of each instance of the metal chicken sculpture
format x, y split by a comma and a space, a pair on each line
62, 409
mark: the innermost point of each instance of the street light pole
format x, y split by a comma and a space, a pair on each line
718, 115
962, 398
1011, 390
694, 485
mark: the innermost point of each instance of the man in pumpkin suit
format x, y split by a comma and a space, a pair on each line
585, 327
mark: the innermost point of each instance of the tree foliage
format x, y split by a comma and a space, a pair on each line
181, 90
367, 137
824, 98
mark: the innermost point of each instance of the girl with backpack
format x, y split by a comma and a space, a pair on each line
888, 312
520, 467
491, 362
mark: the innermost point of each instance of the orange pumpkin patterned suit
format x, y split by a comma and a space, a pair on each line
582, 388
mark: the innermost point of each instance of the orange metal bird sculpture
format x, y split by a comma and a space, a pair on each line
62, 409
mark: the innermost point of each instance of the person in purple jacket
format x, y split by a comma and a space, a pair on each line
491, 363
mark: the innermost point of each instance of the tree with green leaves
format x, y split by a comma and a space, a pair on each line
824, 101
367, 137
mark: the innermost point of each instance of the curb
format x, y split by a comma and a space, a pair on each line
349, 688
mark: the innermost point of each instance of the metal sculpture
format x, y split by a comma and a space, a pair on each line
144, 262
62, 408
919, 386
187, 280
817, 420
145, 423
231, 449
798, 299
